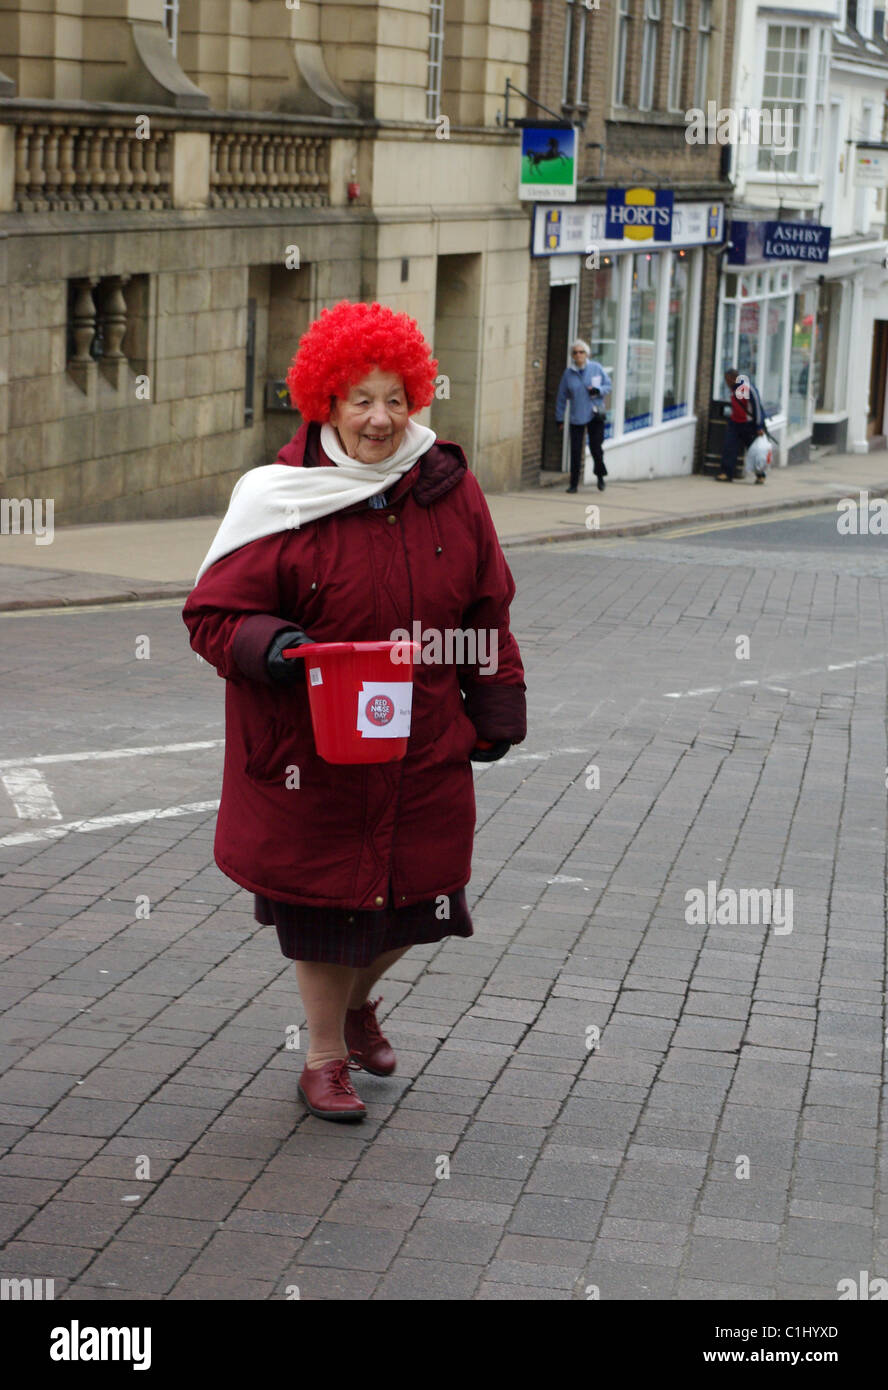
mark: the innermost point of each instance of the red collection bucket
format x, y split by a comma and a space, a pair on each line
361, 698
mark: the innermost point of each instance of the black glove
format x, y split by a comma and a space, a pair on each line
286, 670
491, 754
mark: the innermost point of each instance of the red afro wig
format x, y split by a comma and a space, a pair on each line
347, 342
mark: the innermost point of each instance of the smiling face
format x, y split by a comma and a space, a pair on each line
372, 419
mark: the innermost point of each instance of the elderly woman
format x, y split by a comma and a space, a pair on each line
365, 526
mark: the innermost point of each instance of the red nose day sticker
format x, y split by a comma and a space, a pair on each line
380, 710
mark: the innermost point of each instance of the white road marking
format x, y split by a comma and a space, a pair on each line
31, 794
97, 755
782, 676
57, 832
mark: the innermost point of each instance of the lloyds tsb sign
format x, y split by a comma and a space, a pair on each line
639, 214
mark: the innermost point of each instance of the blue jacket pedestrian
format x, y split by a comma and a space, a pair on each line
574, 387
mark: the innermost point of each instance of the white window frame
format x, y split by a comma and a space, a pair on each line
864, 24
580, 55
574, 63
677, 45
819, 105
817, 55
647, 88
171, 23
704, 45
624, 22
436, 60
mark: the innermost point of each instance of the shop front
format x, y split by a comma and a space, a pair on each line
770, 309
627, 276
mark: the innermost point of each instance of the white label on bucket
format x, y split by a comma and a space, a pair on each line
314, 675
384, 709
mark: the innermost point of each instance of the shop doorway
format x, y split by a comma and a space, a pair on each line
557, 343
875, 414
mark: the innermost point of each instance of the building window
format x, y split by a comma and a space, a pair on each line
649, 39
436, 53
704, 37
573, 69
624, 19
864, 20
605, 319
784, 86
171, 21
678, 333
816, 147
677, 53
804, 309
643, 297
755, 326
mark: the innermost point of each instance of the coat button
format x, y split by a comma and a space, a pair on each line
379, 901
392, 520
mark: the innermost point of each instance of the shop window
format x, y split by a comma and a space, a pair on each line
771, 383
804, 304
602, 333
748, 338
643, 297
728, 354
675, 379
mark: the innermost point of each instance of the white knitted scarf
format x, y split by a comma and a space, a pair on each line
279, 497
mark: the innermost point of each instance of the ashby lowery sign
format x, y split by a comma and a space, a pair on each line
778, 241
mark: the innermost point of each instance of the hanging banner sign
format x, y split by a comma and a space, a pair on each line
778, 241
548, 164
870, 168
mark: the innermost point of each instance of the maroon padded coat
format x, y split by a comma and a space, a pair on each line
374, 835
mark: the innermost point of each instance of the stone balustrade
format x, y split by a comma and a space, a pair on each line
120, 159
69, 168
268, 169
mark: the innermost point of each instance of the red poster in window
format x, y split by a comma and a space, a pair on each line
749, 318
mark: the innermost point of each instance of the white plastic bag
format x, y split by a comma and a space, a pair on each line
759, 455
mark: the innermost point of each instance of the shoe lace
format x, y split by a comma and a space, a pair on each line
340, 1081
371, 1022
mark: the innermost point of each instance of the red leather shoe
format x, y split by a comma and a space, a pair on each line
365, 1041
329, 1093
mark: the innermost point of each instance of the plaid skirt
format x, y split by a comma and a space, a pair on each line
342, 936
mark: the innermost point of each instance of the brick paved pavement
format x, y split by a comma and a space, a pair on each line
153, 1145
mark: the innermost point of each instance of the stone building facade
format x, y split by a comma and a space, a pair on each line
184, 184
626, 73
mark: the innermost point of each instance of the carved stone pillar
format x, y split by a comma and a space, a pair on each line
112, 363
82, 367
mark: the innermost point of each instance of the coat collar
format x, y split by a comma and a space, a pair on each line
433, 475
